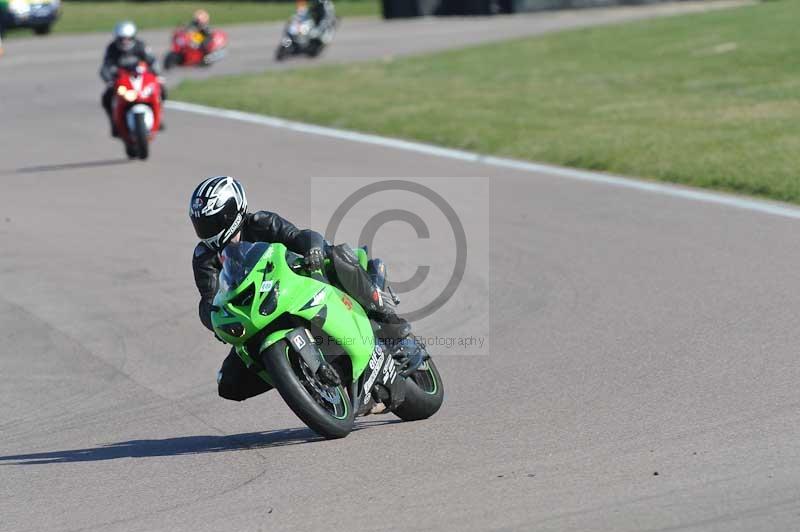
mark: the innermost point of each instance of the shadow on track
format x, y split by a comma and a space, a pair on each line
179, 446
70, 166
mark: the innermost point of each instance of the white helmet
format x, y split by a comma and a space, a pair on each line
125, 35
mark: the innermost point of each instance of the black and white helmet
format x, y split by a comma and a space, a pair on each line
217, 210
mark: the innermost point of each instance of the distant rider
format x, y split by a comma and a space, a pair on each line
319, 10
124, 46
218, 210
200, 24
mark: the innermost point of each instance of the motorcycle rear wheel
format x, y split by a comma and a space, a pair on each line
314, 49
304, 394
424, 393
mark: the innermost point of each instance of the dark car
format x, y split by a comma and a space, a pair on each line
40, 15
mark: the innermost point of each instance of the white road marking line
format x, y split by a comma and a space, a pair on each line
738, 202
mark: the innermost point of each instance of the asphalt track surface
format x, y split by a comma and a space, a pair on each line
632, 334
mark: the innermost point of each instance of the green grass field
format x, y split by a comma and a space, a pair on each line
81, 17
708, 100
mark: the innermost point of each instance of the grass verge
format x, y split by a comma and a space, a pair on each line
707, 100
81, 17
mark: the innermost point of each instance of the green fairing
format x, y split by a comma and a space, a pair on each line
345, 321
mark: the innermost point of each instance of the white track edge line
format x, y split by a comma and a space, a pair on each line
743, 203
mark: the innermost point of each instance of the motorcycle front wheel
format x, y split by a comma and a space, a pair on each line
282, 52
140, 133
325, 409
172, 60
131, 152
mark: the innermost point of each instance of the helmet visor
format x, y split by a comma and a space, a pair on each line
125, 43
217, 229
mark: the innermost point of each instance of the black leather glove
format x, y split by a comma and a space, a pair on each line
314, 259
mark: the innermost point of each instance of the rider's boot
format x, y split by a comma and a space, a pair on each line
393, 327
114, 132
395, 334
381, 309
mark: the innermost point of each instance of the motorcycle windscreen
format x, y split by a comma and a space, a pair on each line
238, 260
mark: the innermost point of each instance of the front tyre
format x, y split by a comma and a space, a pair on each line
172, 60
424, 393
140, 134
325, 409
282, 52
130, 151
43, 29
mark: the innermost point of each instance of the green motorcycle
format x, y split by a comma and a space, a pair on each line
315, 344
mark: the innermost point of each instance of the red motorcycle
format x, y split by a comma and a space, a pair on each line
187, 51
136, 110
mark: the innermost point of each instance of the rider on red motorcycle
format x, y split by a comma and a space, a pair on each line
200, 24
124, 45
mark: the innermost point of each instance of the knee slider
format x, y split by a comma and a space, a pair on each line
227, 390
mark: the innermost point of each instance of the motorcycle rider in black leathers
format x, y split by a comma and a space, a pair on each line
317, 10
218, 210
124, 47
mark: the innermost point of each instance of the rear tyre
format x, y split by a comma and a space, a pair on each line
424, 393
325, 409
140, 133
172, 60
42, 30
130, 151
315, 49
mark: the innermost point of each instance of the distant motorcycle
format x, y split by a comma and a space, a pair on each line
136, 107
186, 50
302, 36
